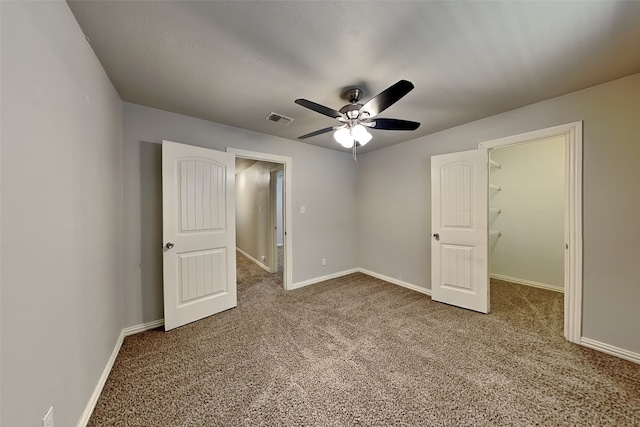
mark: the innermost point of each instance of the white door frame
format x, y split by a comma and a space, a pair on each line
287, 174
572, 216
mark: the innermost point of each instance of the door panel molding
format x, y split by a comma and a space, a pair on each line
572, 216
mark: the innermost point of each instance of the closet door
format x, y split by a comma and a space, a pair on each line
459, 229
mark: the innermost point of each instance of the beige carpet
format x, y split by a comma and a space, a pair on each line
359, 351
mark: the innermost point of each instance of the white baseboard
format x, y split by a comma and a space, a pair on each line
527, 282
610, 349
93, 400
255, 261
132, 330
396, 281
322, 278
84, 419
367, 272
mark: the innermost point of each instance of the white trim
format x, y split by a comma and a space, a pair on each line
132, 330
532, 136
396, 281
368, 273
323, 278
527, 282
572, 216
255, 261
93, 400
610, 349
287, 194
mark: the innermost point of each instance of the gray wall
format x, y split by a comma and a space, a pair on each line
394, 196
61, 215
323, 180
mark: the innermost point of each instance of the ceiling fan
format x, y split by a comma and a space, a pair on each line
355, 118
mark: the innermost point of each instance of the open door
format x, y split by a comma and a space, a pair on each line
198, 206
459, 229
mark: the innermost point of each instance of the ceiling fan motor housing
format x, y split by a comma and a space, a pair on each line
351, 110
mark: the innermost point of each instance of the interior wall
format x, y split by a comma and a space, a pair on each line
326, 230
531, 200
252, 211
61, 215
394, 200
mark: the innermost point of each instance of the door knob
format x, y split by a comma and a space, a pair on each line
169, 245
436, 236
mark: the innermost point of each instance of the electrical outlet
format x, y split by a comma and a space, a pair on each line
303, 209
47, 420
324, 261
263, 258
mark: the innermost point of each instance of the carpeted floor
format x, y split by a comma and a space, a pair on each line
359, 351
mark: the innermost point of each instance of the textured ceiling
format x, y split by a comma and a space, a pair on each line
235, 62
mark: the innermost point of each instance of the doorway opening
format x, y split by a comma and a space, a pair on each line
266, 168
570, 136
526, 233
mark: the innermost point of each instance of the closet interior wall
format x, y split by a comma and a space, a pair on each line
526, 215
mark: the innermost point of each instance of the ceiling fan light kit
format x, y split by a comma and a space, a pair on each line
347, 137
355, 118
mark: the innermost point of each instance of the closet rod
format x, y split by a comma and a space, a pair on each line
495, 233
495, 210
495, 187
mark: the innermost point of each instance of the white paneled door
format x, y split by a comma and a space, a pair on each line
199, 260
459, 229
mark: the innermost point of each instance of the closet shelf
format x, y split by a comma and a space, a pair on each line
495, 233
495, 164
495, 210
495, 187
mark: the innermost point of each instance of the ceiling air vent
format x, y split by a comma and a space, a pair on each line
279, 118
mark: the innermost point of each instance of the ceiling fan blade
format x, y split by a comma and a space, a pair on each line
319, 108
394, 124
318, 132
387, 98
